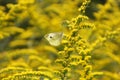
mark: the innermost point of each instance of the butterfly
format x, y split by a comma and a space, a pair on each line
54, 38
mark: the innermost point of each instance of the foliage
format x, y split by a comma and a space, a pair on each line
89, 49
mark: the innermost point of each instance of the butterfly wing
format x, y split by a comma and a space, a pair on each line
54, 38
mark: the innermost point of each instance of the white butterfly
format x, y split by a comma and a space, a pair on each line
54, 38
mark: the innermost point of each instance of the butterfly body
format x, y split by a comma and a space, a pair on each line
54, 38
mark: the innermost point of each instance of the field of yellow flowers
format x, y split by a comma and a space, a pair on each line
88, 32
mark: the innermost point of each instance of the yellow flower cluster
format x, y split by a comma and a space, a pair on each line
89, 49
